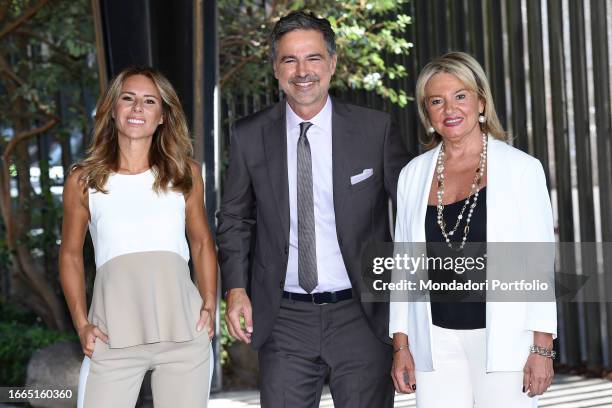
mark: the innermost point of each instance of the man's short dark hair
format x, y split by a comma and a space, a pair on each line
300, 20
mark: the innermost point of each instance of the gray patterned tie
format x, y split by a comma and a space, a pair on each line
307, 249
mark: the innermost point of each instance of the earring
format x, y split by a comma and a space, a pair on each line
431, 130
482, 118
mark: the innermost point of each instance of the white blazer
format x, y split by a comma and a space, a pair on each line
518, 210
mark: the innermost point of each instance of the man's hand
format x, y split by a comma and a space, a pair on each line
239, 305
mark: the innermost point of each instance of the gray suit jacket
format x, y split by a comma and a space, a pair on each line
253, 221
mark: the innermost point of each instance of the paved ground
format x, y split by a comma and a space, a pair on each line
566, 392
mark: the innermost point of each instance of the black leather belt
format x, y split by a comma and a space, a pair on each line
320, 298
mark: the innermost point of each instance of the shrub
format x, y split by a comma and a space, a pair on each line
21, 335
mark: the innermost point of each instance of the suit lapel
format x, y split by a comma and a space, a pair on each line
344, 135
426, 172
275, 147
497, 168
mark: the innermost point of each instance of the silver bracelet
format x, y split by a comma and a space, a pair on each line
543, 351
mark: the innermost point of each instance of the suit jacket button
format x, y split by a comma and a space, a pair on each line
282, 284
286, 249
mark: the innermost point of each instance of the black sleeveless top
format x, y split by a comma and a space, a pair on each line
449, 309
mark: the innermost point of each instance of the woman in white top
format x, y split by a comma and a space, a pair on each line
139, 192
469, 186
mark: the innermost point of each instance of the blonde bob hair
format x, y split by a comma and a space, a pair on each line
470, 73
171, 148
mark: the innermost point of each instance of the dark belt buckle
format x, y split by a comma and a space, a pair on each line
320, 303
314, 302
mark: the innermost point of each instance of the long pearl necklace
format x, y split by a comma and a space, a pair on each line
472, 197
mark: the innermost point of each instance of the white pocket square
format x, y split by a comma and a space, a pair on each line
358, 178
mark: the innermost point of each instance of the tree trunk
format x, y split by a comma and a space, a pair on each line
29, 283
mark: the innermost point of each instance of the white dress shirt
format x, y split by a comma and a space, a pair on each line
332, 274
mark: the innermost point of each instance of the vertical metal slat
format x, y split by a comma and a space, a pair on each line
517, 75
604, 143
584, 173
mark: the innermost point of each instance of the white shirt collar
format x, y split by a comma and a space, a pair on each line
321, 120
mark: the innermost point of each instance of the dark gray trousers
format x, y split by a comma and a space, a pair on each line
308, 342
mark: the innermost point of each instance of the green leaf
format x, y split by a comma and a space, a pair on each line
366, 33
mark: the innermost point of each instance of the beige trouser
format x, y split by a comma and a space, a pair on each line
180, 374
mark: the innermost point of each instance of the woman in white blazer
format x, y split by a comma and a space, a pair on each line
493, 354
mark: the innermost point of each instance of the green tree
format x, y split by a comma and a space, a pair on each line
367, 32
47, 66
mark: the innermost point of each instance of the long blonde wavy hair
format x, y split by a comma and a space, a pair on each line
171, 148
467, 69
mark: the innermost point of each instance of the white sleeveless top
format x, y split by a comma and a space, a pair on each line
143, 292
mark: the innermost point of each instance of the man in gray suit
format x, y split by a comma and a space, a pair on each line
308, 185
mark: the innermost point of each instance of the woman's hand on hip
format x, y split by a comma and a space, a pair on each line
207, 320
403, 372
537, 374
88, 335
